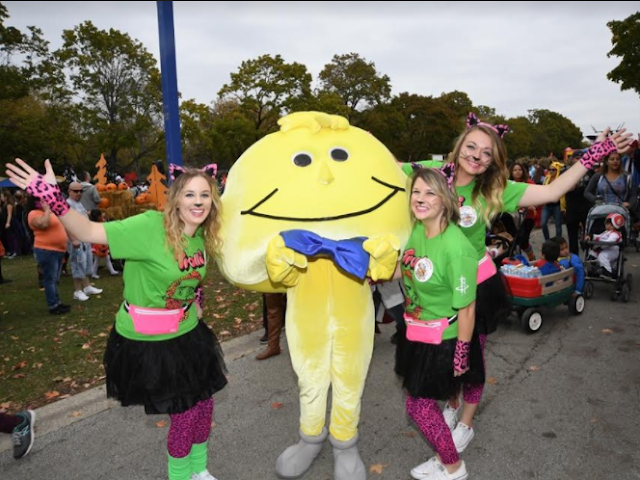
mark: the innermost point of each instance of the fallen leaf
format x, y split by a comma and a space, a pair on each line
594, 420
20, 365
76, 414
213, 424
492, 380
225, 333
102, 334
534, 368
410, 434
5, 405
52, 394
161, 424
607, 330
66, 379
63, 396
86, 346
378, 467
277, 405
19, 375
14, 337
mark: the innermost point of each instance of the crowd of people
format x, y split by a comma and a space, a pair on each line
163, 356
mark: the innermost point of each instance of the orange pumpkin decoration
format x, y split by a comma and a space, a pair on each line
111, 187
142, 198
101, 188
104, 203
123, 186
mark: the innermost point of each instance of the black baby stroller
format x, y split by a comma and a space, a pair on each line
593, 271
504, 243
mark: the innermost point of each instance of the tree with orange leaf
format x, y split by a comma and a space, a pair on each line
157, 189
101, 176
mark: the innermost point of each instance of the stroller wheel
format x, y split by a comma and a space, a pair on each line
628, 280
588, 289
625, 294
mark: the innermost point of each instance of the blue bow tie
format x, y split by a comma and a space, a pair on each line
346, 254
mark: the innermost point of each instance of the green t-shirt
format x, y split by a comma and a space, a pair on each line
472, 222
439, 275
152, 276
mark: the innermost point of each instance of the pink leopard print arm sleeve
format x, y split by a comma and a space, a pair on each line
461, 356
49, 194
597, 152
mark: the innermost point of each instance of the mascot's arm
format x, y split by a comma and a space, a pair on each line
284, 264
383, 257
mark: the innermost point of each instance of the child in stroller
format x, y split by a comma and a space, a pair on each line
607, 254
604, 249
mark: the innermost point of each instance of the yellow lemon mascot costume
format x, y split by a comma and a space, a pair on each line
314, 209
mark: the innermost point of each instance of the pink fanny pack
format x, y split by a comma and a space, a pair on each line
155, 321
427, 331
486, 268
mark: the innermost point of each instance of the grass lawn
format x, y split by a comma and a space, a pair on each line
46, 357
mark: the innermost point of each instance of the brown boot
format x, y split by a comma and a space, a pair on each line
275, 316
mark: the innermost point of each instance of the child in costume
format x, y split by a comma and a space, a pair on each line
100, 251
159, 354
290, 202
608, 254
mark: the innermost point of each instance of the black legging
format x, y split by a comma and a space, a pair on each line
573, 221
525, 233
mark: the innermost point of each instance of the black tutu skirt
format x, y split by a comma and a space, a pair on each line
168, 376
492, 304
427, 370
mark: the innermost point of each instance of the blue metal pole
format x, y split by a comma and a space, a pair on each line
169, 83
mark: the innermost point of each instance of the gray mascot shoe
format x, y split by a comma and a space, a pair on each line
296, 459
346, 459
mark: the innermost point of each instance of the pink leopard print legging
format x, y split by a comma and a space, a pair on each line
190, 427
472, 392
428, 416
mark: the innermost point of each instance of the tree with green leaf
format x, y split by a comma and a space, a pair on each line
117, 80
626, 45
356, 82
265, 89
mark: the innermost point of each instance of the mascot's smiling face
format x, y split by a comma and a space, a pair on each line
317, 173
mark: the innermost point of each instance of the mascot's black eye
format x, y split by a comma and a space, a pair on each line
302, 159
339, 154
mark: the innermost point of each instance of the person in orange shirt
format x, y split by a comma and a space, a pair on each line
49, 247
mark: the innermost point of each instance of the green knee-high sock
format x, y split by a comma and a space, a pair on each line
179, 468
199, 457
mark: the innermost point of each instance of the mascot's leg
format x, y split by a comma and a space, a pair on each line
309, 340
353, 328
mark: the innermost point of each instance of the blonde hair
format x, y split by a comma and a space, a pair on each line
438, 183
491, 183
174, 226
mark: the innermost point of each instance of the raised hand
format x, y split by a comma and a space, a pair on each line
40, 186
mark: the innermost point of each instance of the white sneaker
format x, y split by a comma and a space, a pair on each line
436, 471
425, 468
451, 415
462, 436
202, 476
91, 290
80, 295
95, 276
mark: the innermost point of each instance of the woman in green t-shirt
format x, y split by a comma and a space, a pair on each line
159, 354
479, 174
438, 268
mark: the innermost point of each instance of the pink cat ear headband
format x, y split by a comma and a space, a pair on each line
473, 120
176, 170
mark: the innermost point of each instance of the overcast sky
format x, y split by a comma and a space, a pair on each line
512, 56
